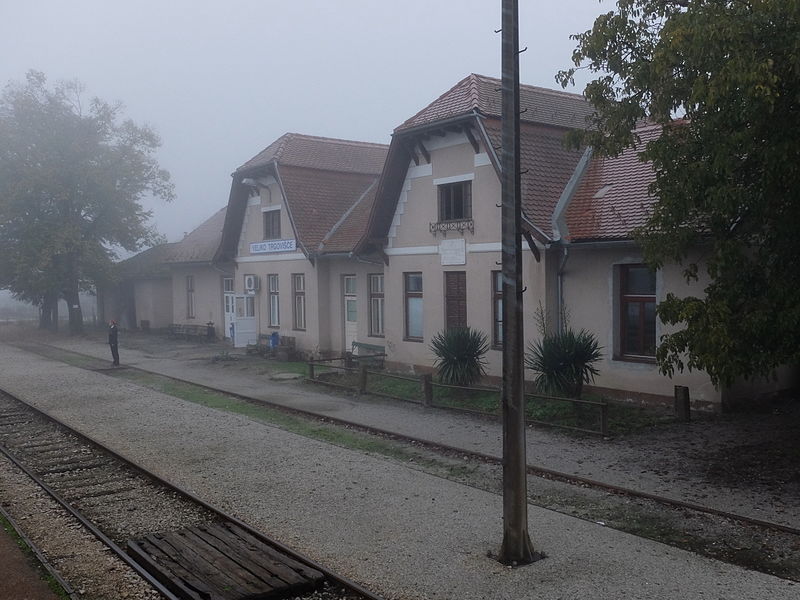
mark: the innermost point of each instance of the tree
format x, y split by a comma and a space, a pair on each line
72, 179
723, 79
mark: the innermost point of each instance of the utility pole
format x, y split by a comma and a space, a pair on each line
517, 548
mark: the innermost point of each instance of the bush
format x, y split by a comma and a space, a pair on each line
564, 361
460, 355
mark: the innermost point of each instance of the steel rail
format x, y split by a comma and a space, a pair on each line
87, 524
331, 575
39, 555
535, 470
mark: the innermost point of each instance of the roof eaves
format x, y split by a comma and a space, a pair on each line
559, 220
289, 211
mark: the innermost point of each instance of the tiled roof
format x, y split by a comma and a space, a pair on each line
200, 245
147, 264
297, 150
346, 234
481, 93
318, 199
546, 165
612, 198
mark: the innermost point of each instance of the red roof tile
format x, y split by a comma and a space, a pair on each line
612, 198
299, 150
482, 94
318, 200
201, 244
546, 165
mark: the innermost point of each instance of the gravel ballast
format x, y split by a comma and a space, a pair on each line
400, 532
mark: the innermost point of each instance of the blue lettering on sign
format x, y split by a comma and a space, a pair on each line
272, 246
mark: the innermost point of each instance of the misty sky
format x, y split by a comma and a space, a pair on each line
220, 80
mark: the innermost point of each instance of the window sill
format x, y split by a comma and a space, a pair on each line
635, 359
375, 335
417, 340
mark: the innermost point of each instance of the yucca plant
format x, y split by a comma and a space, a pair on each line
564, 361
460, 355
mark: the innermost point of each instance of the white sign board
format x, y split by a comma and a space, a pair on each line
272, 246
453, 252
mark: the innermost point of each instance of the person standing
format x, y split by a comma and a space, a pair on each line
113, 341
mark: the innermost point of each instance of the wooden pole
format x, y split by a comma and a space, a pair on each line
516, 548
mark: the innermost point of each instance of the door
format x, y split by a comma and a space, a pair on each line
455, 299
350, 311
244, 325
229, 304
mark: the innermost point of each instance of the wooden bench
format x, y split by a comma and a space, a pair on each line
192, 331
369, 354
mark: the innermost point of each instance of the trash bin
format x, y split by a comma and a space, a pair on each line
274, 340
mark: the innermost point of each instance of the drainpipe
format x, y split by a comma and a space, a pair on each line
560, 300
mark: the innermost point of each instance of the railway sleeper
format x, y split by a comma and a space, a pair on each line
68, 467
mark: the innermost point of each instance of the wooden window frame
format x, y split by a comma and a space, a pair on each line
273, 293
272, 224
446, 203
190, 305
408, 294
497, 312
379, 299
626, 299
299, 302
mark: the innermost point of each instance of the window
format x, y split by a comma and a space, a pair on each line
245, 306
412, 291
497, 309
227, 284
455, 201
272, 224
190, 296
455, 299
637, 285
274, 301
299, 291
376, 305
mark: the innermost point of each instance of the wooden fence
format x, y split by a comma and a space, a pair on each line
358, 376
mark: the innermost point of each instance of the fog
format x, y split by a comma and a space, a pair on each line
220, 80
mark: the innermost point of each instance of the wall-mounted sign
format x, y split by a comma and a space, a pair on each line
453, 252
273, 246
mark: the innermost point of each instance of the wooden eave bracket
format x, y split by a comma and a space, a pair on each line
532, 245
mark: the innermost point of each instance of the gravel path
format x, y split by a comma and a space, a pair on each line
702, 462
401, 532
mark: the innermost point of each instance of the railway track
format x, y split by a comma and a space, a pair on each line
183, 547
754, 532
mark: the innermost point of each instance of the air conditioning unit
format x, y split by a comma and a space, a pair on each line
251, 284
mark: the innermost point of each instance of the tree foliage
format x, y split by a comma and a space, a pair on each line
723, 79
72, 179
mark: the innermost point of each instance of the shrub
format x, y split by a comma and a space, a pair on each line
460, 355
564, 361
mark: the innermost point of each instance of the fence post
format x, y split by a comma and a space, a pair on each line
362, 379
604, 418
427, 389
310, 370
682, 403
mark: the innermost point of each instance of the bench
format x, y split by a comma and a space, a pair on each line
192, 331
369, 354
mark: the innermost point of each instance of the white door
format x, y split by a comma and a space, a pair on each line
230, 314
350, 311
245, 330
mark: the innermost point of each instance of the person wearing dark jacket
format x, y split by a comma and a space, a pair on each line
113, 342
